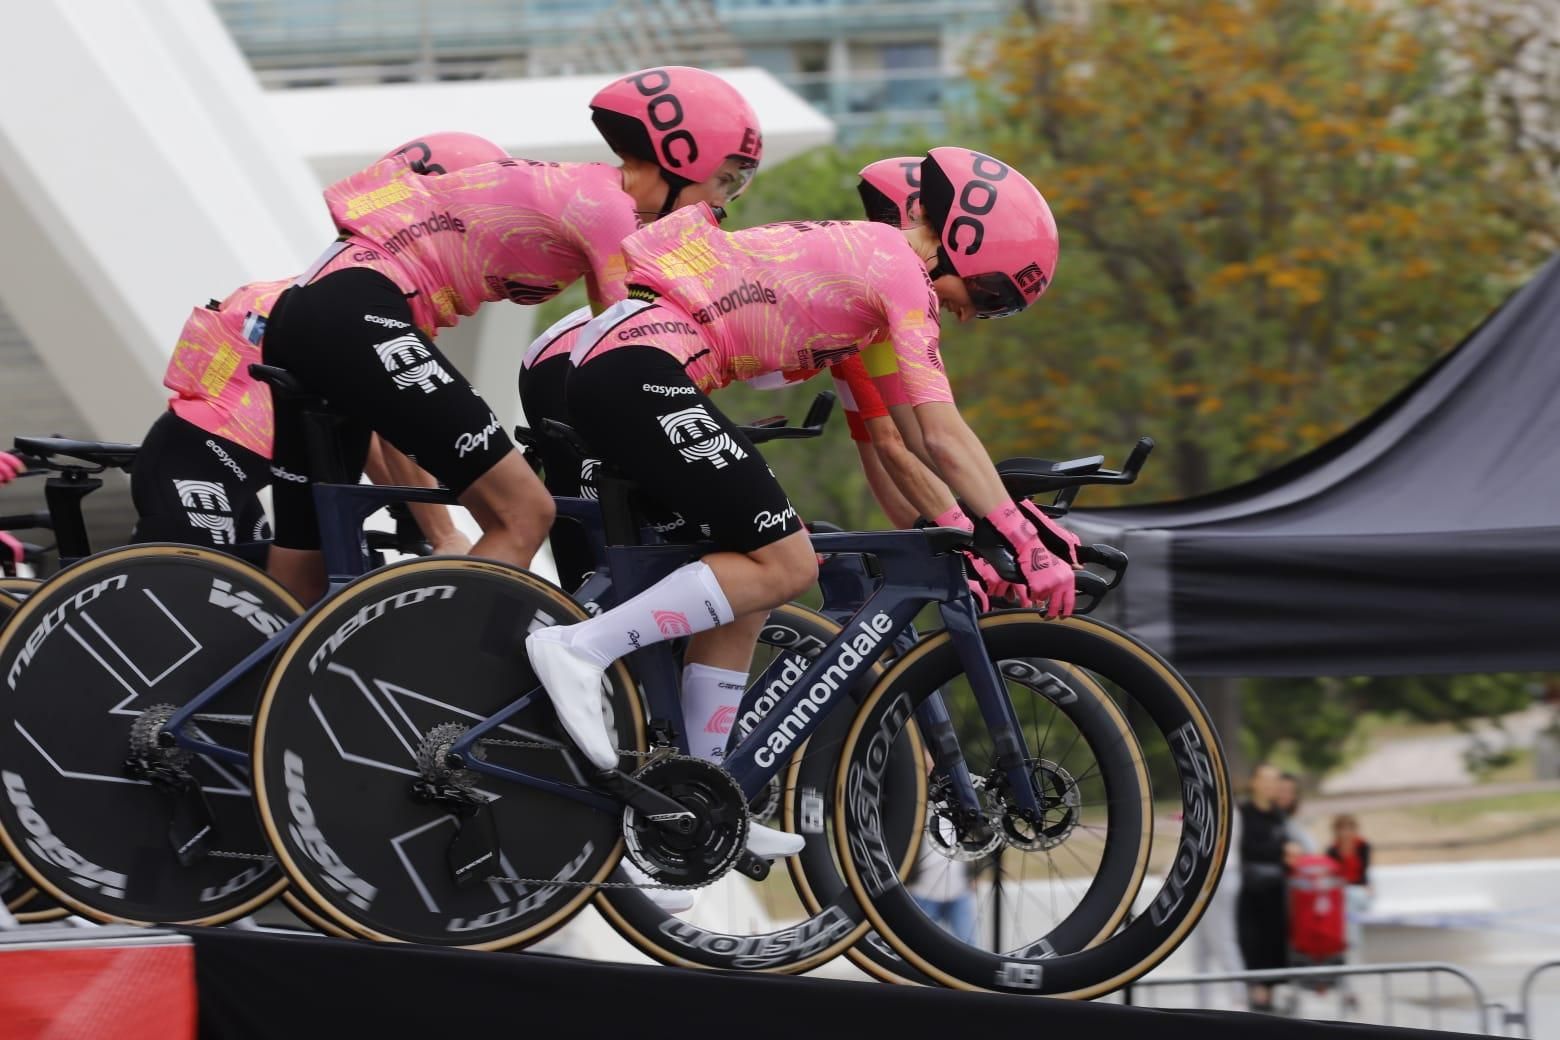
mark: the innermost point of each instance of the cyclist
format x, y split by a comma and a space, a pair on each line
889, 190
416, 254
203, 462
707, 308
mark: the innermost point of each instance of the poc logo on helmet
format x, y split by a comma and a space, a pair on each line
976, 199
665, 112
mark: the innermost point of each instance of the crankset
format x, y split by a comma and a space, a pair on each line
697, 827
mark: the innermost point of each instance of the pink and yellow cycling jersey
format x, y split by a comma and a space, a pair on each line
512, 229
209, 373
779, 298
859, 397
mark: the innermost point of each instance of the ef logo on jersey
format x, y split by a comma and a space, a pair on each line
411, 364
698, 436
206, 506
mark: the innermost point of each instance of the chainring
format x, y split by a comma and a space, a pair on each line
717, 842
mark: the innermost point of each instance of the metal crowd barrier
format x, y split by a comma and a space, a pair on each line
1433, 970
1523, 1017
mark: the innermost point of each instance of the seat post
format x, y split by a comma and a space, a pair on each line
620, 520
63, 494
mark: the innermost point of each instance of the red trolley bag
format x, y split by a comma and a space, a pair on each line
1317, 932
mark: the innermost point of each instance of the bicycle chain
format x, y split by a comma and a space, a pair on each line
218, 854
255, 856
662, 886
546, 746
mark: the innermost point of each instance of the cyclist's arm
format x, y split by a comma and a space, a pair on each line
954, 453
895, 506
913, 490
386, 465
902, 485
906, 367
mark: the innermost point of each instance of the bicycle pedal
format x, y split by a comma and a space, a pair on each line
755, 867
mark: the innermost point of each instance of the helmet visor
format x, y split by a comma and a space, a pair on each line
994, 295
735, 176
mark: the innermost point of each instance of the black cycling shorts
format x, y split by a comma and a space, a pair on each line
351, 339
566, 473
639, 411
196, 488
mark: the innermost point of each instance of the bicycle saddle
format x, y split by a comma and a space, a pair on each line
101, 453
1025, 477
284, 384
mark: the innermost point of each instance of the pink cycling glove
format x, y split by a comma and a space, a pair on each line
11, 467
953, 517
1047, 576
986, 579
1052, 533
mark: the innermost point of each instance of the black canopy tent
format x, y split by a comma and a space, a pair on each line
1425, 539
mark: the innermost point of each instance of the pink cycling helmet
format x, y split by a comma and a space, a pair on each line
889, 188
685, 120
447, 152
995, 230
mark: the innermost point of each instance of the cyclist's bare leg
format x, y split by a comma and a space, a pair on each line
301, 572
693, 599
765, 578
513, 509
729, 646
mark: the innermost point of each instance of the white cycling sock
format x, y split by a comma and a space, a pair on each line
686, 601
710, 697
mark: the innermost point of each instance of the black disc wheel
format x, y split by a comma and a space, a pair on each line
96, 814
382, 833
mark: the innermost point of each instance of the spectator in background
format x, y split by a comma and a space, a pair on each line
1288, 800
944, 887
1215, 944
1352, 853
1262, 911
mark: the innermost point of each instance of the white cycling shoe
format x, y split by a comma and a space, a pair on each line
768, 843
764, 842
574, 683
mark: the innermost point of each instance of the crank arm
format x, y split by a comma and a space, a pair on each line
755, 867
659, 809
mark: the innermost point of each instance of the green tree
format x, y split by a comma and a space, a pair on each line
1273, 213
1317, 720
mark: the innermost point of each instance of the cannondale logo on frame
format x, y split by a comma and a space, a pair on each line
411, 364
697, 436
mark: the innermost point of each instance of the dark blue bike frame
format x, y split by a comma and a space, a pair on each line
912, 578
